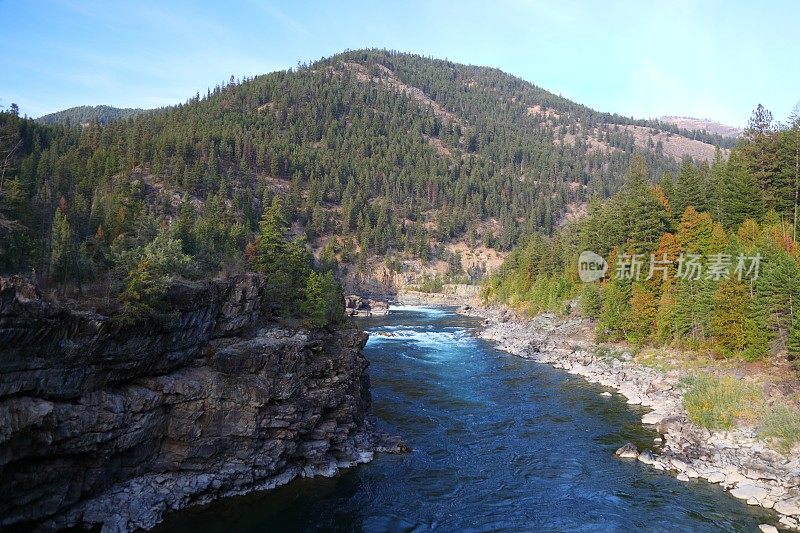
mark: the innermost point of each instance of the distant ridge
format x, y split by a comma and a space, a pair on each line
86, 113
703, 124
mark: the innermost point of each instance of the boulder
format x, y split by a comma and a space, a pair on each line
359, 306
746, 491
628, 451
788, 507
653, 417
716, 477
647, 457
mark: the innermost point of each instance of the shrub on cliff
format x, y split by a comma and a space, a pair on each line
151, 270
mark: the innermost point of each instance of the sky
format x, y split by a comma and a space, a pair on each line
706, 59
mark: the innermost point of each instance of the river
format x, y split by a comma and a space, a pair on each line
499, 443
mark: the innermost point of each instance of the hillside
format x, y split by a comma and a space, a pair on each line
82, 115
390, 164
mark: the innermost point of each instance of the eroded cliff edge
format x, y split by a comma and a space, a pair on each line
108, 424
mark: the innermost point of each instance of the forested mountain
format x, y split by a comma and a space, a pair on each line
85, 114
707, 259
375, 157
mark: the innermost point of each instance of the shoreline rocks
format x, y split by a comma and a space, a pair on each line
736, 460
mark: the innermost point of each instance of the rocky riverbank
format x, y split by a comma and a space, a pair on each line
104, 423
737, 460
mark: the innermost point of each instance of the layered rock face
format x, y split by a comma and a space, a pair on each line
115, 425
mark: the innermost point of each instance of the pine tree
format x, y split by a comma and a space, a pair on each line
689, 188
271, 242
777, 293
731, 323
61, 248
643, 312
645, 215
696, 232
323, 303
693, 304
147, 282
793, 345
614, 321
590, 303
741, 198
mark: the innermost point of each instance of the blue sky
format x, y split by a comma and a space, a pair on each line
711, 59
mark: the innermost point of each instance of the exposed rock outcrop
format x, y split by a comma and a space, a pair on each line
358, 306
109, 424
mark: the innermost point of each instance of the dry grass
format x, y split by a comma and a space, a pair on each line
782, 423
722, 402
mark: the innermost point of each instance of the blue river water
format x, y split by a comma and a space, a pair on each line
499, 444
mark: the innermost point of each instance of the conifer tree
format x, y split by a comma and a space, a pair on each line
731, 322
646, 217
741, 198
643, 311
793, 345
271, 242
689, 188
696, 232
62, 247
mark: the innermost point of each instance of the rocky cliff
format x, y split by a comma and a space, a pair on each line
103, 423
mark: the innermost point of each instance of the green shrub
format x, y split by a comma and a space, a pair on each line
783, 424
718, 403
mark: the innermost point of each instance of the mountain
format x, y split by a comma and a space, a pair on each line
84, 114
391, 164
703, 124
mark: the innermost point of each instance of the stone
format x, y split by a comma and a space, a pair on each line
678, 465
647, 457
788, 507
653, 417
605, 393
628, 451
766, 528
749, 492
734, 478
682, 477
